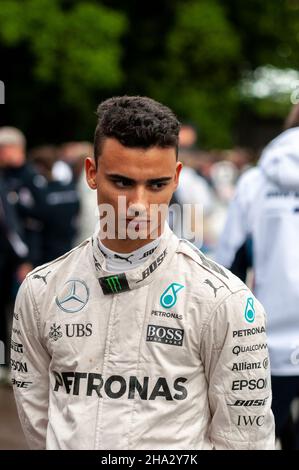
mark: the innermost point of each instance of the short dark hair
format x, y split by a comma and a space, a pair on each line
136, 121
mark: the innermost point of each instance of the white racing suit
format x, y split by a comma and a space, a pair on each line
265, 209
170, 355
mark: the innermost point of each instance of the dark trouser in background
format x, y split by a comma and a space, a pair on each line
285, 390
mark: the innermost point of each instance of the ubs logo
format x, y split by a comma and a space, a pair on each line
78, 330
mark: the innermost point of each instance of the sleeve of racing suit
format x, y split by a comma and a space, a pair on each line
235, 356
29, 368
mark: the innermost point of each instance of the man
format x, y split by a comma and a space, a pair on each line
14, 252
265, 212
139, 343
25, 195
60, 206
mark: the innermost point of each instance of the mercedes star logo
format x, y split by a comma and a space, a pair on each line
74, 296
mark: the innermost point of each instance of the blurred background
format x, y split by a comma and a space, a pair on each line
228, 68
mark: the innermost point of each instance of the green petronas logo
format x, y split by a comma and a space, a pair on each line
113, 284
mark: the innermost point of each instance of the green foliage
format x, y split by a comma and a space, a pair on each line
203, 52
78, 49
67, 55
268, 31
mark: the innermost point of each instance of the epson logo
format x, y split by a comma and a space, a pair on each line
257, 402
249, 331
252, 384
117, 386
18, 366
165, 335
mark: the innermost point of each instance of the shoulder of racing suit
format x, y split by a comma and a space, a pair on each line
57, 262
46, 277
216, 288
208, 271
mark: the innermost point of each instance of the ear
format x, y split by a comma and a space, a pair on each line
178, 170
91, 172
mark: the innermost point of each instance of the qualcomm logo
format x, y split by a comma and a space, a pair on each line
249, 311
169, 296
76, 297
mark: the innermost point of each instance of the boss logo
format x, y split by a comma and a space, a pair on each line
165, 335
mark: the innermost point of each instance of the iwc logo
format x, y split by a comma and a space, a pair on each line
74, 297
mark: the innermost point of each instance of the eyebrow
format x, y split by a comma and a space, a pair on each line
163, 179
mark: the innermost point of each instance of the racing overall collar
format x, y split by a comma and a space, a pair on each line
118, 262
139, 276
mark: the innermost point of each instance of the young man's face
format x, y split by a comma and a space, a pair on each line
142, 179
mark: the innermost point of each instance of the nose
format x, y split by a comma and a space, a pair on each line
138, 202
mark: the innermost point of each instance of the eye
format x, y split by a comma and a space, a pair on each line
122, 183
158, 185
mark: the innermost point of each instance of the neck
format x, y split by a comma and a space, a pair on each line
128, 245
120, 261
